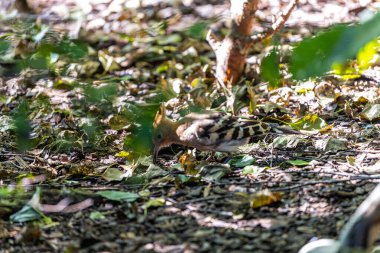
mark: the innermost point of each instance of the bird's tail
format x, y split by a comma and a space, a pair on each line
275, 128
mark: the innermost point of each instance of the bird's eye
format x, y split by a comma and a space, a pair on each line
159, 136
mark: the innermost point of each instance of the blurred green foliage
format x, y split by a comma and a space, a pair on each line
197, 30
47, 54
31, 211
101, 100
309, 122
140, 139
270, 69
90, 127
315, 56
34, 46
22, 126
101, 95
4, 46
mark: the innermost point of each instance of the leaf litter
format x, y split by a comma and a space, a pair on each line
85, 102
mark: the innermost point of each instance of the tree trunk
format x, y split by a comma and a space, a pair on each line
233, 50
232, 53
22, 6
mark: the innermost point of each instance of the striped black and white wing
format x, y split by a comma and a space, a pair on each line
222, 132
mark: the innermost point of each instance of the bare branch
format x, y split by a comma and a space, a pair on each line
212, 39
231, 53
278, 24
242, 14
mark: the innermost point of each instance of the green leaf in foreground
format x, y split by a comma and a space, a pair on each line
309, 122
173, 39
197, 30
153, 203
298, 163
22, 127
140, 140
315, 56
27, 213
113, 174
368, 54
214, 172
31, 211
119, 196
288, 141
4, 46
95, 215
253, 170
242, 161
270, 69
74, 49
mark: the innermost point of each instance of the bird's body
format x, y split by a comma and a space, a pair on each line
217, 131
207, 131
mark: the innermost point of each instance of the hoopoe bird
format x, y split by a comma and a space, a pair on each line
208, 131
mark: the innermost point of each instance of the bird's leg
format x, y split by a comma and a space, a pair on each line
178, 155
212, 155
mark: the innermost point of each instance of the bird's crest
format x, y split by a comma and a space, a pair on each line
160, 115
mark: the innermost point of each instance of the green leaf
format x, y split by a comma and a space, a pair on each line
253, 169
154, 171
22, 126
108, 61
173, 39
287, 141
6, 192
27, 213
30, 211
315, 56
134, 180
367, 54
95, 215
239, 98
41, 34
39, 60
242, 161
345, 70
119, 196
118, 122
365, 58
298, 163
113, 174
213, 173
140, 139
264, 198
270, 69
123, 154
198, 30
153, 203
74, 49
4, 46
97, 95
183, 178
90, 127
309, 122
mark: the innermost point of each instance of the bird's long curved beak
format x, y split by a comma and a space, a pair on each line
155, 153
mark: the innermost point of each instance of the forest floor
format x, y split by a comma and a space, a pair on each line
82, 185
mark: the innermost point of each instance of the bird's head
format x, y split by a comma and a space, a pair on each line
163, 131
